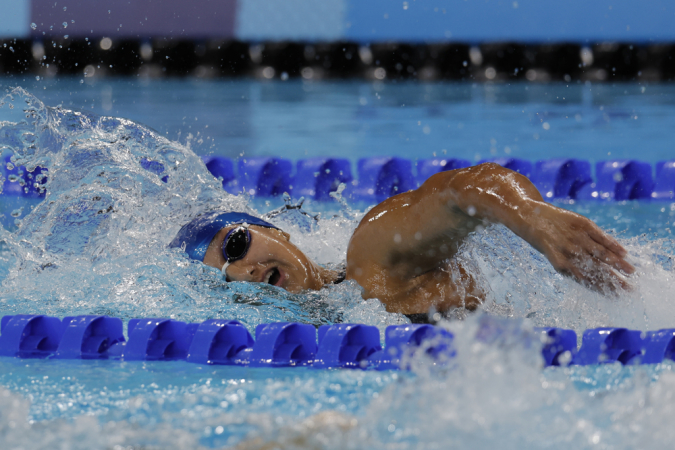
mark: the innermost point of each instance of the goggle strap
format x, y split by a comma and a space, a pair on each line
224, 269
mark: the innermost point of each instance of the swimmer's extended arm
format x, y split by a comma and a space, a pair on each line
411, 234
573, 244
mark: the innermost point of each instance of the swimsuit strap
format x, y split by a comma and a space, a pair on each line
420, 318
342, 273
342, 276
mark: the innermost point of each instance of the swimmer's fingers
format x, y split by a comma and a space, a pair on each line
608, 279
592, 273
602, 238
605, 255
576, 273
607, 249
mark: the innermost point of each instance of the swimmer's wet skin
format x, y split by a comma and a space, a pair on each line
402, 251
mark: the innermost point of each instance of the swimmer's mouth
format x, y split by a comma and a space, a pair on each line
273, 277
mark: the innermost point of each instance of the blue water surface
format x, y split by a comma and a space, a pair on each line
295, 119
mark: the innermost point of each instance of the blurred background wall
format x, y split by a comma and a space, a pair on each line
353, 20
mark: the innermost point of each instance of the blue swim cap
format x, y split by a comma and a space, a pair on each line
198, 233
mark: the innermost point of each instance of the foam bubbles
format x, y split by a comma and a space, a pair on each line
520, 282
98, 243
496, 395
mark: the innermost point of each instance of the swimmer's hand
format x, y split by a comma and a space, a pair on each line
577, 247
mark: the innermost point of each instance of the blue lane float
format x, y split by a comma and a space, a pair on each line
316, 178
218, 342
283, 344
222, 169
624, 180
401, 341
158, 340
29, 336
286, 344
659, 346
610, 345
222, 342
381, 177
563, 179
346, 346
89, 337
664, 187
266, 177
559, 345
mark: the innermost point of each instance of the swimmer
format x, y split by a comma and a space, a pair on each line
403, 250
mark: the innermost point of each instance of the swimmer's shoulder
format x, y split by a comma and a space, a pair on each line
389, 227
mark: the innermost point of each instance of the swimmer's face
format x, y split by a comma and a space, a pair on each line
271, 259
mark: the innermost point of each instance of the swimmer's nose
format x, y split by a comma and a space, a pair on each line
235, 272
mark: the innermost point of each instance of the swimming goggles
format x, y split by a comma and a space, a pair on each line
235, 245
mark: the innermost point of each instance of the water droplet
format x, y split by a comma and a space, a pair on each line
33, 26
65, 24
65, 8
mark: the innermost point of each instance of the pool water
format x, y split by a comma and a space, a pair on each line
296, 119
97, 245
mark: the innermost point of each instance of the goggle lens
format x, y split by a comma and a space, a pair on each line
236, 244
